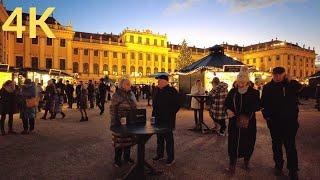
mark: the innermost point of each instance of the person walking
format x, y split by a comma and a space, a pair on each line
281, 111
8, 100
241, 103
59, 100
69, 92
91, 94
49, 97
78, 93
102, 95
165, 106
28, 106
217, 109
40, 93
83, 102
196, 89
122, 103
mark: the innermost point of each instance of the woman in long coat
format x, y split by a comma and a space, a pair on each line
196, 89
122, 102
49, 100
242, 102
27, 114
7, 105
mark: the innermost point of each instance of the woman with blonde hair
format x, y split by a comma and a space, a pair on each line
196, 89
241, 103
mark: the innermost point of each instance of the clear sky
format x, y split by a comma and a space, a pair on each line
202, 23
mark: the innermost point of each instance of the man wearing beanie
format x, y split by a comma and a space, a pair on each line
165, 106
280, 109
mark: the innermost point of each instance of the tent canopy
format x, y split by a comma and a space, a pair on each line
216, 59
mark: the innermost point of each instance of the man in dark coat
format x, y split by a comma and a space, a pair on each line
78, 93
165, 106
91, 94
8, 100
280, 103
69, 92
102, 95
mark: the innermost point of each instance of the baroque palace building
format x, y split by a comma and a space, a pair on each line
133, 53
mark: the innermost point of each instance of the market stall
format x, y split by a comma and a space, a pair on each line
5, 75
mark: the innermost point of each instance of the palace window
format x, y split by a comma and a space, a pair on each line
148, 57
278, 57
140, 70
115, 70
163, 70
75, 51
86, 52
132, 55
48, 63
148, 70
248, 61
86, 68
62, 43
95, 68
163, 59
261, 60
169, 70
19, 40
140, 40
105, 53
254, 60
131, 39
162, 43
269, 59
105, 67
132, 70
75, 67
49, 41
123, 55
155, 57
169, 59
115, 55
156, 42
96, 53
123, 70
148, 41
62, 64
140, 56
155, 70
34, 63
35, 40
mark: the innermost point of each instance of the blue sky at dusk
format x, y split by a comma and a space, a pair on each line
202, 23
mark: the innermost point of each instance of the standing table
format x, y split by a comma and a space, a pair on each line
142, 134
201, 99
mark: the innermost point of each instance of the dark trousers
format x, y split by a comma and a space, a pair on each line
28, 124
287, 137
101, 104
222, 123
91, 100
10, 122
168, 139
70, 100
125, 152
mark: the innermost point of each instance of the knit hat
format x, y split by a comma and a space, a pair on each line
243, 75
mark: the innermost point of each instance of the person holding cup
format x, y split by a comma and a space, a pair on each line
122, 103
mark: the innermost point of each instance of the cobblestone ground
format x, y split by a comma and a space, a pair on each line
68, 149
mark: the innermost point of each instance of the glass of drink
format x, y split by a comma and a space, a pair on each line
123, 121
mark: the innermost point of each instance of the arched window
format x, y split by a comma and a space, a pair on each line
155, 70
75, 67
123, 70
148, 70
115, 70
132, 70
95, 68
169, 70
105, 67
140, 71
163, 70
86, 68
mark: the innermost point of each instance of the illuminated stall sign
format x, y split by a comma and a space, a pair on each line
54, 72
232, 68
4, 67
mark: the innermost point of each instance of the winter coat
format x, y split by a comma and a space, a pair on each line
195, 90
280, 103
27, 92
58, 103
8, 100
217, 97
49, 98
122, 103
165, 105
69, 90
83, 98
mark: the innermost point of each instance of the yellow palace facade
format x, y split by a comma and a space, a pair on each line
132, 53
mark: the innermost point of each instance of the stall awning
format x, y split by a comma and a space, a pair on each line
216, 59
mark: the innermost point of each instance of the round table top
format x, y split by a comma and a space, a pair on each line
198, 95
147, 129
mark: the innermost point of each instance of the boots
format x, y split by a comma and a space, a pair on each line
293, 175
63, 115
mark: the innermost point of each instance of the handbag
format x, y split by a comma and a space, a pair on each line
32, 102
242, 121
